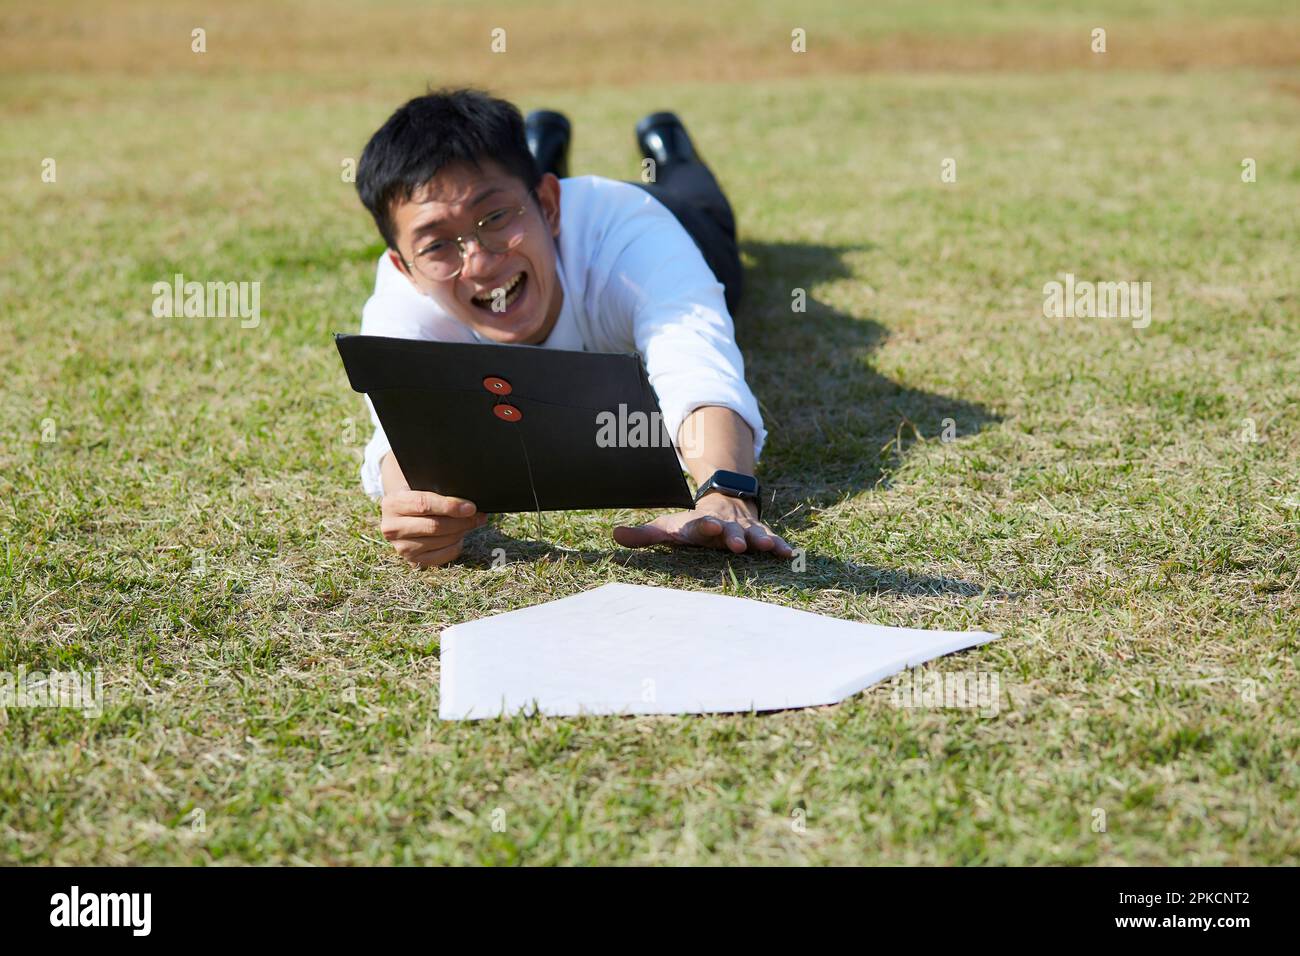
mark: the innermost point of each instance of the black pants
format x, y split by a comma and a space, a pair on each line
692, 195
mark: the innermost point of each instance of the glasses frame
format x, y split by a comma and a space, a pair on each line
477, 236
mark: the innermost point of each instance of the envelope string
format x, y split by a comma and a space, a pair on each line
532, 487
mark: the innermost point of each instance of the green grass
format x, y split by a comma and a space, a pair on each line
1099, 506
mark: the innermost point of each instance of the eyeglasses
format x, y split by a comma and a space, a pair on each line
497, 232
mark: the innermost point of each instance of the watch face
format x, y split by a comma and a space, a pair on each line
736, 482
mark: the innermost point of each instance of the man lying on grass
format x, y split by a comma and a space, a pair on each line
489, 242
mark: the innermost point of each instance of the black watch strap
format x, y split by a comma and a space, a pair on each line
734, 485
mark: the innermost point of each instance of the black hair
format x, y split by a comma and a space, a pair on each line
425, 135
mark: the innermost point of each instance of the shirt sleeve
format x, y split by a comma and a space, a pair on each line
659, 279
398, 310
371, 479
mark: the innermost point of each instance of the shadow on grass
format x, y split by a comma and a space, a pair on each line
835, 424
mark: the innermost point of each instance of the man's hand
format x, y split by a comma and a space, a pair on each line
710, 438
426, 528
717, 522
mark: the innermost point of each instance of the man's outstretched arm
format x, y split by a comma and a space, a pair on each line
712, 437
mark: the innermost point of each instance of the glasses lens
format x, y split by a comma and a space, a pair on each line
501, 230
438, 261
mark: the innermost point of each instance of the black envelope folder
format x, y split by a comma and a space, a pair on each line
515, 427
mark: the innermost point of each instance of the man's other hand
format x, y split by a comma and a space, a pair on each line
717, 522
427, 529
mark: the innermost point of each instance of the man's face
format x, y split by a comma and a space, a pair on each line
450, 205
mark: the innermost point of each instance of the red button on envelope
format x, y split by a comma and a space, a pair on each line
497, 386
507, 413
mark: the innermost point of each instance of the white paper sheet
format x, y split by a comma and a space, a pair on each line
632, 649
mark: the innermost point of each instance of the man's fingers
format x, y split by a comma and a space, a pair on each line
715, 533
759, 539
428, 504
703, 531
411, 547
398, 527
733, 535
782, 548
640, 536
707, 531
437, 556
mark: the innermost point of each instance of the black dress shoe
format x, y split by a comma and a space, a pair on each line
662, 137
548, 140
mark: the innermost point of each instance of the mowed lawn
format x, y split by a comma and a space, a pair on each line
179, 502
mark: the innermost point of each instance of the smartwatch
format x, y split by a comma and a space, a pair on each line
734, 485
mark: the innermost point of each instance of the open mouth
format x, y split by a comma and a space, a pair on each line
504, 296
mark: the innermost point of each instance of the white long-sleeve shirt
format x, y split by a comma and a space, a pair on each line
633, 281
